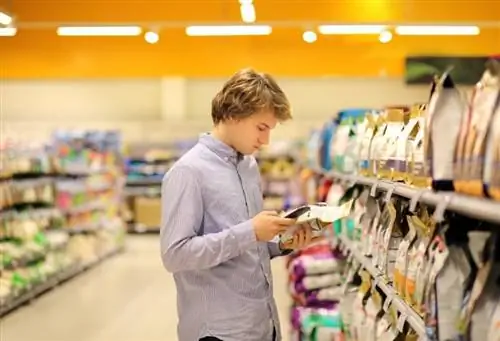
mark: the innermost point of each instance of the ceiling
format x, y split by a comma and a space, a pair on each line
279, 12
37, 51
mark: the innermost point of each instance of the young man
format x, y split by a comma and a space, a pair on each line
215, 238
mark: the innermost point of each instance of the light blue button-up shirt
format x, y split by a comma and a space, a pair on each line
223, 275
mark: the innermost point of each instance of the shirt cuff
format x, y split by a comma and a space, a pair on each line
275, 251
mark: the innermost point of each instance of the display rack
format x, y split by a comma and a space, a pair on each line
478, 208
145, 166
52, 283
407, 313
60, 211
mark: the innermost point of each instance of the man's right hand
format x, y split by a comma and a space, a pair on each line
268, 224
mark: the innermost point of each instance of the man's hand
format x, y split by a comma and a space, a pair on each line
302, 238
268, 224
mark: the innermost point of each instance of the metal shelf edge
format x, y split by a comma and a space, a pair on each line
474, 207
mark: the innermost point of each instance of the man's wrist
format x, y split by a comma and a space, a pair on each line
283, 249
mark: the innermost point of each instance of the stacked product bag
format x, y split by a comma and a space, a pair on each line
316, 276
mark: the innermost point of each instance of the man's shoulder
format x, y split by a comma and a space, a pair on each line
187, 164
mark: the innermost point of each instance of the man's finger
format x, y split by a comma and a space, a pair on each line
270, 213
307, 235
284, 221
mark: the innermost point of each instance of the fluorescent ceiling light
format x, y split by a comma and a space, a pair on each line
247, 13
437, 30
99, 31
351, 29
5, 19
243, 30
8, 32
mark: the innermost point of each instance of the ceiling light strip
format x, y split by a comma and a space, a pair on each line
99, 30
422, 30
8, 32
248, 13
235, 30
351, 29
5, 19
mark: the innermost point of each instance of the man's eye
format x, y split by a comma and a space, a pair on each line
261, 128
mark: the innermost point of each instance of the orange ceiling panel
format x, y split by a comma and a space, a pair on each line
129, 11
379, 10
39, 54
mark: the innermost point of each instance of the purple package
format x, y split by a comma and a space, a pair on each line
327, 298
309, 283
315, 264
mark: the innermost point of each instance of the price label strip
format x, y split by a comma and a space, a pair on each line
387, 303
401, 321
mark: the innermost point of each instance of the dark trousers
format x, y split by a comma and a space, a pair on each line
212, 338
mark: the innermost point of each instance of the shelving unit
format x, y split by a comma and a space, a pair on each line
145, 166
478, 208
52, 282
60, 212
406, 312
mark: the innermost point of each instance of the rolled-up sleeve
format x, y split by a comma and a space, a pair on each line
182, 249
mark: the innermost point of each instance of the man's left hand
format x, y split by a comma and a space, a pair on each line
302, 238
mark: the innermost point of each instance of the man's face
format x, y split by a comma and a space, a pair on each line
250, 134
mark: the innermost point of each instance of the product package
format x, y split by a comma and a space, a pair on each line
443, 119
370, 127
376, 146
316, 264
472, 143
317, 216
327, 134
344, 147
390, 165
491, 176
416, 168
316, 324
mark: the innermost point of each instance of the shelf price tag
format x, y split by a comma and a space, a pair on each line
373, 191
401, 321
387, 303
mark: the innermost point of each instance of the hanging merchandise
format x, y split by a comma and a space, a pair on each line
344, 142
414, 148
477, 122
327, 134
388, 165
417, 273
313, 146
366, 137
377, 144
443, 119
420, 262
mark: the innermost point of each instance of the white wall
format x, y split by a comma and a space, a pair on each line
31, 109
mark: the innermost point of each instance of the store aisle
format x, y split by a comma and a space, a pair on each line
128, 298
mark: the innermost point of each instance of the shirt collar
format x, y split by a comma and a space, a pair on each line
220, 148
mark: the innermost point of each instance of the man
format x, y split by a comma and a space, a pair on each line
214, 237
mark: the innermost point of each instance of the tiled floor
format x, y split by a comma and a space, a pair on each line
127, 298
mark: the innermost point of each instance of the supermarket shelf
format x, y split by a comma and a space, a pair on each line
473, 207
52, 282
142, 229
412, 317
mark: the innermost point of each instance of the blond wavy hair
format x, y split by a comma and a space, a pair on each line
248, 92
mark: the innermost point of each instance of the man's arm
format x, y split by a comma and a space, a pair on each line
182, 216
